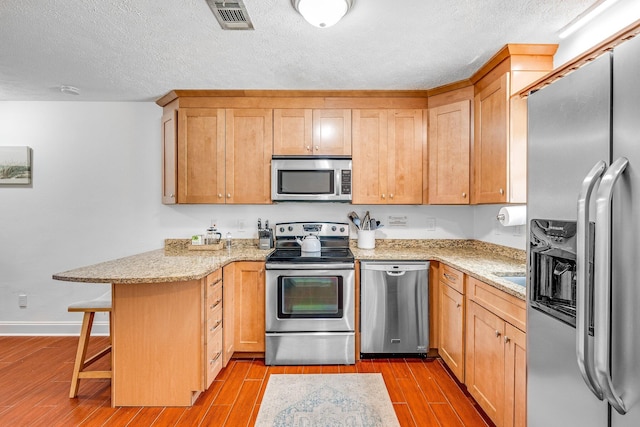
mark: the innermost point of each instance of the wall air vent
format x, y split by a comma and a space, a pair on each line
232, 15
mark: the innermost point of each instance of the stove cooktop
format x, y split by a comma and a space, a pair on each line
326, 255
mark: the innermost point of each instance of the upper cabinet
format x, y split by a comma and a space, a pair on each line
218, 156
449, 147
248, 145
498, 158
387, 156
306, 131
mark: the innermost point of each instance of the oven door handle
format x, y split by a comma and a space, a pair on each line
307, 266
584, 350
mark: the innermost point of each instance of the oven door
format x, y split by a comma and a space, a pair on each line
309, 300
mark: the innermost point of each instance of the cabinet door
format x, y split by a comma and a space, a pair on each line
369, 156
228, 313
292, 131
452, 329
515, 377
485, 363
169, 157
332, 132
201, 155
490, 142
404, 156
249, 143
249, 323
449, 144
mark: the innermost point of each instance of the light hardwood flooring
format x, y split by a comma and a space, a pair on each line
35, 374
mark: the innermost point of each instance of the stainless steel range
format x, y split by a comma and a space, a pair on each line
310, 295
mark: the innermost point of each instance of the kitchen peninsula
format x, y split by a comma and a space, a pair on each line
166, 303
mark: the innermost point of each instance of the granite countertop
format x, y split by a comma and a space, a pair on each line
177, 263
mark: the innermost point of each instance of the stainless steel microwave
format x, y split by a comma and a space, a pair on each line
313, 179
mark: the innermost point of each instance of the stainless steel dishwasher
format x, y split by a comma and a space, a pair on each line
394, 308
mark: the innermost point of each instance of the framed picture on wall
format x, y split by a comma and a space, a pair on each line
15, 165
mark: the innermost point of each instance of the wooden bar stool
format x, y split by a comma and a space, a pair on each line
89, 308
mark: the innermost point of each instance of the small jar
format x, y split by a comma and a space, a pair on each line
229, 240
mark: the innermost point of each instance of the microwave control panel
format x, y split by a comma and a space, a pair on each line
345, 181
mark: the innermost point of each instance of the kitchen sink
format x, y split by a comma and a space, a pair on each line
519, 279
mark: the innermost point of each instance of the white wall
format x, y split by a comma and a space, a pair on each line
95, 196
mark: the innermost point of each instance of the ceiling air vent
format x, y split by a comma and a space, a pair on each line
232, 15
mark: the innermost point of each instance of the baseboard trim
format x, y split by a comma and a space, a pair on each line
14, 328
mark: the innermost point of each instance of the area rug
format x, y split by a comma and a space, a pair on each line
314, 400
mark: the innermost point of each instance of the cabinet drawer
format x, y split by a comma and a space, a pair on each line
214, 321
214, 298
508, 307
452, 277
213, 361
214, 278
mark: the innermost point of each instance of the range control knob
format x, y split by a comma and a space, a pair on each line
290, 228
282, 229
342, 229
333, 228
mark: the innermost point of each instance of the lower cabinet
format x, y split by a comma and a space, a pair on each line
451, 319
496, 353
213, 309
247, 280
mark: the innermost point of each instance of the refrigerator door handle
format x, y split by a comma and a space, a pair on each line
583, 290
602, 286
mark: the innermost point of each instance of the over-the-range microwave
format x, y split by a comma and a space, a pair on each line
313, 179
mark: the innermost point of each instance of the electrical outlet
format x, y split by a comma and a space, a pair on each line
431, 224
22, 301
242, 223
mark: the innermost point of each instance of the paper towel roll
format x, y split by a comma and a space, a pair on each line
512, 215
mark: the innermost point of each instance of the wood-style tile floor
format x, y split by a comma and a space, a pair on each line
35, 374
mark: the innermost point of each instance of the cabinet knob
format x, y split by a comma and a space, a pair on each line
317, 148
464, 195
228, 195
506, 339
308, 148
458, 305
220, 195
391, 195
501, 192
498, 334
172, 196
383, 196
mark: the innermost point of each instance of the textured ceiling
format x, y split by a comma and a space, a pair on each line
138, 50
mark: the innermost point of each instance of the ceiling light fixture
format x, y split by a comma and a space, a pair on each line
322, 13
70, 90
586, 16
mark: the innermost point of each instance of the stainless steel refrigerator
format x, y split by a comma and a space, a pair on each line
583, 288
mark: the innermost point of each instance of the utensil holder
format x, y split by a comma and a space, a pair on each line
366, 239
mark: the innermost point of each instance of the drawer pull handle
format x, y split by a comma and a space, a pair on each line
450, 277
212, 284
214, 327
215, 359
215, 304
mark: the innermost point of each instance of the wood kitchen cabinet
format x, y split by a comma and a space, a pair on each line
387, 156
248, 295
249, 141
223, 156
169, 157
306, 131
496, 353
451, 319
500, 122
449, 132
228, 313
160, 329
